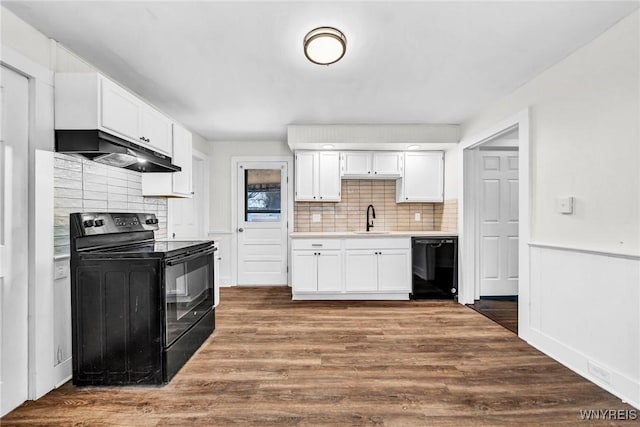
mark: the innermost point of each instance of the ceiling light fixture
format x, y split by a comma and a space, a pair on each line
413, 147
325, 45
327, 146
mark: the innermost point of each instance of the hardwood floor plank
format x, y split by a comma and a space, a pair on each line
277, 362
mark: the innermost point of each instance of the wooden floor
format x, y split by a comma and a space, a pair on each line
504, 313
275, 362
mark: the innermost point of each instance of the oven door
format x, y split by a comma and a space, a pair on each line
188, 291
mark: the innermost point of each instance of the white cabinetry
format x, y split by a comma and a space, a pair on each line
317, 176
91, 101
378, 264
367, 164
351, 268
317, 266
176, 184
423, 177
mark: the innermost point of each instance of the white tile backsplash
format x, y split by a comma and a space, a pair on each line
81, 185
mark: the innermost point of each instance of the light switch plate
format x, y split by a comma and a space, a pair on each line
316, 217
417, 216
564, 205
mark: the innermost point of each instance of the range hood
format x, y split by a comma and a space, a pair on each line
108, 149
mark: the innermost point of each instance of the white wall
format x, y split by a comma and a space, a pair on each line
220, 175
584, 139
584, 268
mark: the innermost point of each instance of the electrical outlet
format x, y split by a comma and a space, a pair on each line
60, 270
316, 217
417, 216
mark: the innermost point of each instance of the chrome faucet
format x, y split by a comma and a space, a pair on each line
373, 210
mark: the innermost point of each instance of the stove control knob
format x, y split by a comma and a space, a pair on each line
89, 223
98, 223
149, 221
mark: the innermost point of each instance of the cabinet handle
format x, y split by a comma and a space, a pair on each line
317, 245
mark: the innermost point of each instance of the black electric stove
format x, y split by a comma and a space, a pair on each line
140, 307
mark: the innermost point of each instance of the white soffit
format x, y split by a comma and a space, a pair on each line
373, 137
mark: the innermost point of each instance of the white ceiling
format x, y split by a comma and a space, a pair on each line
236, 71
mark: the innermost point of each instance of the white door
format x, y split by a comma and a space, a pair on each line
393, 270
498, 203
120, 111
329, 271
304, 276
262, 223
14, 133
187, 214
361, 270
329, 183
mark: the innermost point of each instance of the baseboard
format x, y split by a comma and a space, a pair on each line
616, 383
361, 296
63, 372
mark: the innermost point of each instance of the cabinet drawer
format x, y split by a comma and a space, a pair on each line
378, 243
316, 243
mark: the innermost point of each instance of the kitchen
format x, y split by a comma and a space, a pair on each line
575, 113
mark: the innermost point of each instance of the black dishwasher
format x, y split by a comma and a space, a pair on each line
434, 267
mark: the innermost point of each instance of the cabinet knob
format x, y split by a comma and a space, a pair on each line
369, 172
375, 172
320, 197
406, 198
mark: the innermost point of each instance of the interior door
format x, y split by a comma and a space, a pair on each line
262, 223
14, 132
498, 254
186, 214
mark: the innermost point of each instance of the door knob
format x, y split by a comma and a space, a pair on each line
240, 230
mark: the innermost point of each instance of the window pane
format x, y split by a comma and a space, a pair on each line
262, 195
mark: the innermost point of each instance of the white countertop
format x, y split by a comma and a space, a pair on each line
337, 234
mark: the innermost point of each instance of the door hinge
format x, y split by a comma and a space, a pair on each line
287, 225
287, 268
287, 180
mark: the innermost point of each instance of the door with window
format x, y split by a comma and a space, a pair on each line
262, 223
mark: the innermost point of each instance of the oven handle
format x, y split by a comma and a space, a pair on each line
190, 256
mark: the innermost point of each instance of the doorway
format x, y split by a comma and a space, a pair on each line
14, 238
494, 178
262, 222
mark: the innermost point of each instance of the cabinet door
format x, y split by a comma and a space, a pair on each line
356, 164
394, 270
387, 164
119, 110
361, 270
423, 177
306, 172
330, 271
156, 128
304, 276
182, 156
329, 176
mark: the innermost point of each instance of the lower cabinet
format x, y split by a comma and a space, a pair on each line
315, 271
377, 270
351, 268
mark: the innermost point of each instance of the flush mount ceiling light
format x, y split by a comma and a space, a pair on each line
325, 45
413, 147
327, 146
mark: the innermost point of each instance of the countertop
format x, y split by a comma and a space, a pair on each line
337, 234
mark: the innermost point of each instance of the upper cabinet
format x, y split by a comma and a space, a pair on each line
91, 101
177, 184
423, 177
368, 164
317, 176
